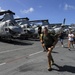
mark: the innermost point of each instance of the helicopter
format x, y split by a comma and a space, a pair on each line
9, 29
35, 25
51, 27
57, 29
25, 25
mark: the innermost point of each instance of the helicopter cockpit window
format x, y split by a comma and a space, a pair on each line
28, 26
12, 24
21, 23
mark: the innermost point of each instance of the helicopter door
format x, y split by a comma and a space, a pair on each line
6, 29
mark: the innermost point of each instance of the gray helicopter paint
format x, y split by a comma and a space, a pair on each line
7, 23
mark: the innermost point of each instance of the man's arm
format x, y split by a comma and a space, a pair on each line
55, 40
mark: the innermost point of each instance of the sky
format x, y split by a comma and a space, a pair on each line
53, 10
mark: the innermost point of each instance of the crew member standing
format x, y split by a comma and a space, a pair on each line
39, 30
61, 37
70, 39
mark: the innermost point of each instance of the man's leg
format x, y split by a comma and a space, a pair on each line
43, 45
52, 60
49, 58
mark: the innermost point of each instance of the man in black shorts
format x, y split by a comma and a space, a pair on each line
49, 42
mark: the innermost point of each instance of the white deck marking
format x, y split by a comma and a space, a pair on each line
35, 53
2, 64
20, 49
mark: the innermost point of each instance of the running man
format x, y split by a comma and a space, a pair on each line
49, 42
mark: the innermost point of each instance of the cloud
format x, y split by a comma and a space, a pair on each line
1, 9
27, 11
69, 7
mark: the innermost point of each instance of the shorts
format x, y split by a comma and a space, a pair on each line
61, 40
48, 46
71, 40
42, 42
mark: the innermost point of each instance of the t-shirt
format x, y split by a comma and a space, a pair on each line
70, 37
48, 39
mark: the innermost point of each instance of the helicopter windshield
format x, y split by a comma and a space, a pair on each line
12, 23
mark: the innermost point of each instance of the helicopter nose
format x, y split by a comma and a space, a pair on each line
16, 29
32, 30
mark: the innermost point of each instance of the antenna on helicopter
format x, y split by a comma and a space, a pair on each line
64, 21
